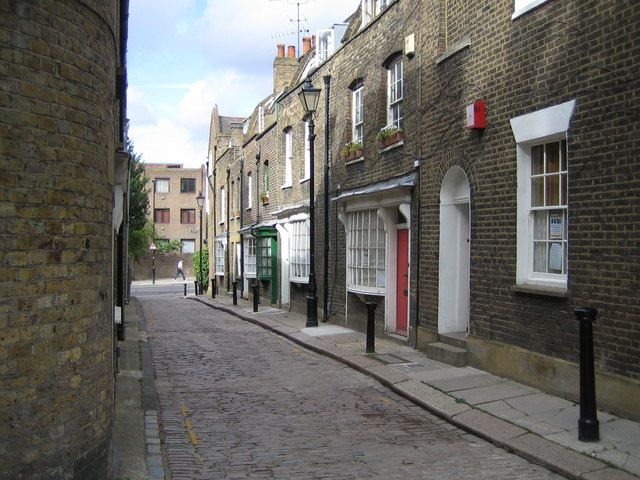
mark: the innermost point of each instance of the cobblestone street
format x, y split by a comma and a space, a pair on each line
237, 401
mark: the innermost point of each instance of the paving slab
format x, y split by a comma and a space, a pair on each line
387, 375
430, 398
539, 403
360, 362
608, 474
488, 426
465, 382
565, 461
492, 393
323, 330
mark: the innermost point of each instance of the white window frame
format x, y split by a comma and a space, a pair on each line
288, 158
366, 252
249, 191
395, 93
307, 153
219, 251
223, 205
162, 185
189, 249
357, 115
250, 263
260, 119
548, 125
521, 7
299, 252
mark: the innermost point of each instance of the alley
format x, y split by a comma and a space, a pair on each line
237, 401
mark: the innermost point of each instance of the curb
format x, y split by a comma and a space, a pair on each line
510, 437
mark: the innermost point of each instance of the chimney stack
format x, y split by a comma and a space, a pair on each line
291, 51
306, 45
281, 50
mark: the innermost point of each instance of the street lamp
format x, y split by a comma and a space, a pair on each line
309, 97
153, 215
200, 200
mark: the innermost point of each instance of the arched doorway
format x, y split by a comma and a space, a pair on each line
453, 283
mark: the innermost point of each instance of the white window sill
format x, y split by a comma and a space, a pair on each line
286, 185
534, 4
305, 179
299, 280
249, 275
558, 291
354, 161
392, 146
366, 290
219, 274
249, 209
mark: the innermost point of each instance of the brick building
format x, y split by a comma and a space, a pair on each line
476, 241
63, 234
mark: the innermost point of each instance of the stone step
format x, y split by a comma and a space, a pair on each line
455, 339
448, 354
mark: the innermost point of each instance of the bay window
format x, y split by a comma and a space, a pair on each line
220, 257
250, 257
366, 271
299, 252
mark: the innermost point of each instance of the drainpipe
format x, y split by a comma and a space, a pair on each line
226, 260
241, 193
325, 272
418, 257
215, 208
258, 187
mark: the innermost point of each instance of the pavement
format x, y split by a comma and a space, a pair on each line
532, 424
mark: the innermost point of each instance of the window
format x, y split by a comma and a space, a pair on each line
223, 205
288, 157
266, 178
549, 207
373, 8
523, 6
260, 119
232, 200
249, 191
187, 185
325, 44
365, 252
162, 185
357, 115
187, 246
250, 257
542, 228
263, 258
161, 215
395, 91
307, 152
299, 252
219, 257
188, 215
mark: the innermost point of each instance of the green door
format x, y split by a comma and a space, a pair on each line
267, 259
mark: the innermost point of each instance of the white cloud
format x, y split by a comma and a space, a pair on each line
185, 60
167, 142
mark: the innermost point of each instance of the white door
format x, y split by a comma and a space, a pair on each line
453, 281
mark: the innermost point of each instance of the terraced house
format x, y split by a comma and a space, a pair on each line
488, 186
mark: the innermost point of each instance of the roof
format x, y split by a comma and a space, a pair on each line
402, 182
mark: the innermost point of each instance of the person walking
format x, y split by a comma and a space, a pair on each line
180, 271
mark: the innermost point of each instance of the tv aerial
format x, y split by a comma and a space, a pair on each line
298, 20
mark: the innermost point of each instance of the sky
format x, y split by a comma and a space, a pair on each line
185, 56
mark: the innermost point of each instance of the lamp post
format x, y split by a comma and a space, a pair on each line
153, 215
200, 200
309, 97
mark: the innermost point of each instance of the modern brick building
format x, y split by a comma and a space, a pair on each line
508, 199
174, 209
62, 234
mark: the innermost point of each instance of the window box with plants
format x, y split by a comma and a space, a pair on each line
264, 198
352, 151
389, 136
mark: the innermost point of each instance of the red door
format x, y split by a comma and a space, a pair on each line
402, 284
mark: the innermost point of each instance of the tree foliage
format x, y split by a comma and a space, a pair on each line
205, 266
138, 194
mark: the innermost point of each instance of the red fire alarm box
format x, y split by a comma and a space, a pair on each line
477, 115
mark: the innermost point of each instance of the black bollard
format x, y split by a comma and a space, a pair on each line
588, 427
371, 326
256, 290
195, 285
213, 288
235, 292
185, 288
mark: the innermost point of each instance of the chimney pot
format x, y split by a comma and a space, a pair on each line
291, 51
306, 45
281, 50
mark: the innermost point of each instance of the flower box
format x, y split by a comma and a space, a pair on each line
389, 136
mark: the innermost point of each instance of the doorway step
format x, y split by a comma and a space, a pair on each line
451, 349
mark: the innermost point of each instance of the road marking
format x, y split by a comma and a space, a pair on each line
184, 410
188, 425
193, 438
